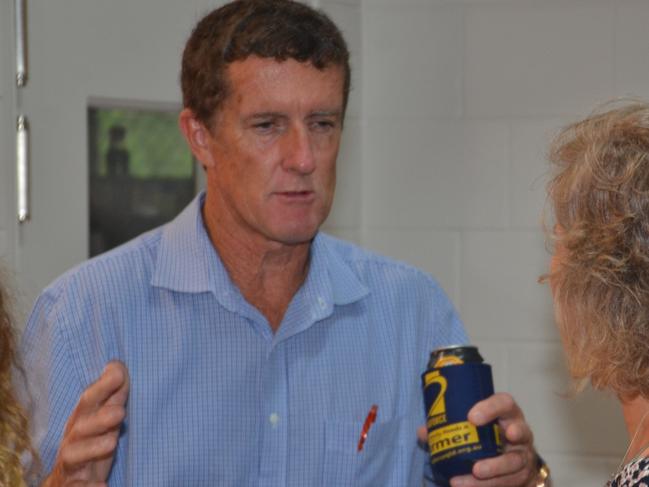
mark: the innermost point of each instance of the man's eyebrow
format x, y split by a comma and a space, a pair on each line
336, 113
258, 115
326, 113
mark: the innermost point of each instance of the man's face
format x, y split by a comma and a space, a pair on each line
273, 148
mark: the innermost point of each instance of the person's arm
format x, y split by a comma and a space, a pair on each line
88, 447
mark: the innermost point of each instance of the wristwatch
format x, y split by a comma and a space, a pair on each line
543, 473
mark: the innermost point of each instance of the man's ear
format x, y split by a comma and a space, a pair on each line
198, 137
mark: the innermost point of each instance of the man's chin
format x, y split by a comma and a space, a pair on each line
297, 239
296, 231
296, 236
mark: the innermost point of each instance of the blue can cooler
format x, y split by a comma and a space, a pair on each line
455, 380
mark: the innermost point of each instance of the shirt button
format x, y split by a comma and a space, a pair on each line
322, 303
274, 419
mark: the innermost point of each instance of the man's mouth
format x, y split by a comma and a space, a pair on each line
296, 196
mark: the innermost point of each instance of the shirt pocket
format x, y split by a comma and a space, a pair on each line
381, 462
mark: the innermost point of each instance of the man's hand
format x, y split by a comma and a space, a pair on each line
90, 437
516, 467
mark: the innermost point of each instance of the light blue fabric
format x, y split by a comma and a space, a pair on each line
216, 399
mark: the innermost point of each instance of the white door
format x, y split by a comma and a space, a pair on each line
123, 53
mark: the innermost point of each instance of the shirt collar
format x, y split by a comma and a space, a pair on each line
337, 277
186, 259
330, 282
187, 262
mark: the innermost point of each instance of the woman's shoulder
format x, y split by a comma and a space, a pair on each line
633, 474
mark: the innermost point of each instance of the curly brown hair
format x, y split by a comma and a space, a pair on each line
600, 197
14, 426
279, 29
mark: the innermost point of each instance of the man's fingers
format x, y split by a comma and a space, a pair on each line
508, 463
119, 397
517, 480
422, 438
422, 434
518, 432
507, 470
112, 382
499, 406
76, 455
107, 418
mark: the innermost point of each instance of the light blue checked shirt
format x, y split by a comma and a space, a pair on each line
216, 398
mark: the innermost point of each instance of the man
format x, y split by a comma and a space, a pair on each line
236, 345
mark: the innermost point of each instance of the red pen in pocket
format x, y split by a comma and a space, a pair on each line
369, 421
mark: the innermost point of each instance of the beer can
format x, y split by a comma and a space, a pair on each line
456, 378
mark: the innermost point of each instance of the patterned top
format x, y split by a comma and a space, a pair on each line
633, 474
216, 397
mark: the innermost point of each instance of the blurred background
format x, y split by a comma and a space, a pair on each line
443, 164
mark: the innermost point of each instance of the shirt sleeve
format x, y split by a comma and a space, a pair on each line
53, 385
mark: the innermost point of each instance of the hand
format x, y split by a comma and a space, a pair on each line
516, 467
90, 437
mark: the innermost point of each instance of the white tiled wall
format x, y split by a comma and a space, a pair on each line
529, 59
435, 174
345, 218
631, 53
528, 170
460, 99
399, 38
500, 296
435, 251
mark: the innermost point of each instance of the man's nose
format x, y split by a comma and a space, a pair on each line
298, 151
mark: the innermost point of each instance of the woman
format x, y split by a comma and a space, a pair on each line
14, 438
600, 269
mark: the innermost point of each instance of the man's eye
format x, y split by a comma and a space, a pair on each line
263, 126
323, 125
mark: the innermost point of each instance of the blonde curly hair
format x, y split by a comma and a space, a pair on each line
600, 197
14, 426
